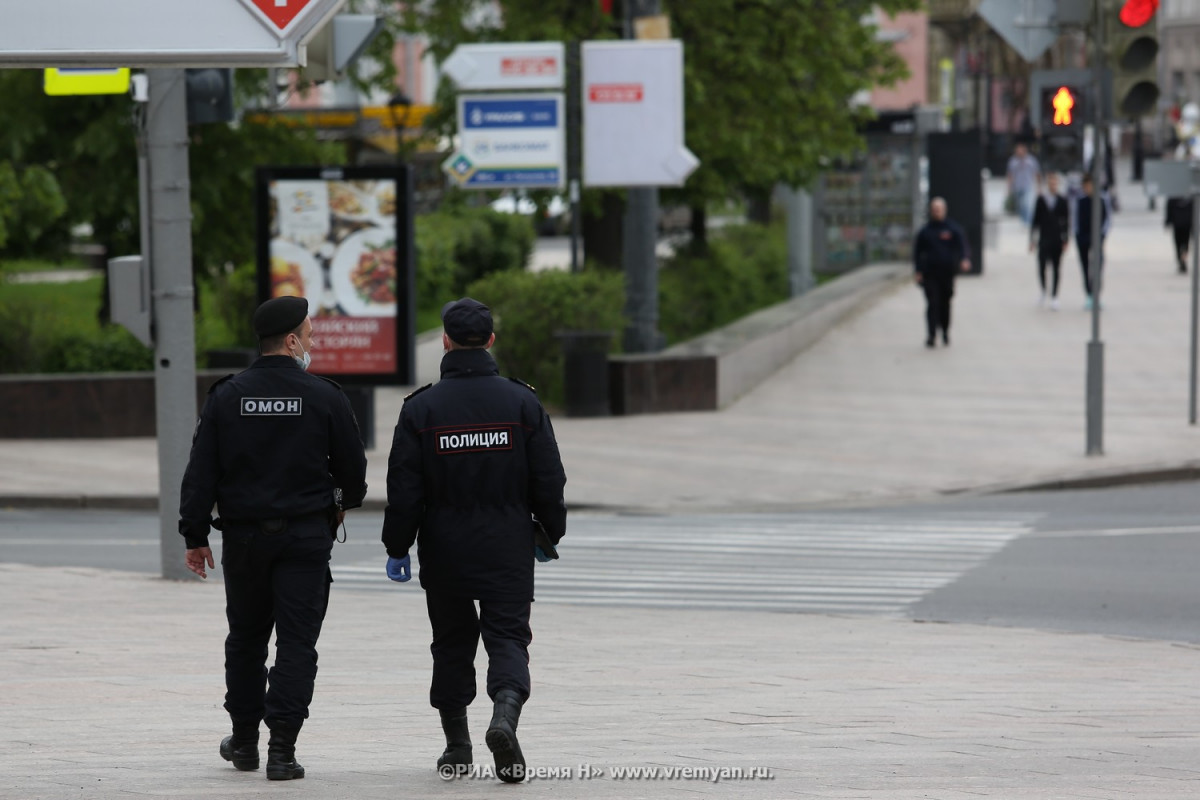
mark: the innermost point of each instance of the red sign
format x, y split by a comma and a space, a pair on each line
280, 12
354, 345
615, 93
528, 66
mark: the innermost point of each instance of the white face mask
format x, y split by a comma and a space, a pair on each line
303, 361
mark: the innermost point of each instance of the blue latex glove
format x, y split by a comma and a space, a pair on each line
540, 554
399, 569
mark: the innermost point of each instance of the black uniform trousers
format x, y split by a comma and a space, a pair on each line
1183, 240
1085, 252
938, 286
1051, 255
274, 580
457, 628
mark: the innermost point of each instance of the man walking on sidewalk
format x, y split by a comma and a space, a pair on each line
1083, 239
940, 251
271, 449
475, 480
1050, 233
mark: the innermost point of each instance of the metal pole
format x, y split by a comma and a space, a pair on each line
171, 301
799, 240
574, 147
1195, 299
641, 240
1095, 348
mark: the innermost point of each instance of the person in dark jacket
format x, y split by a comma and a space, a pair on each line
1050, 233
940, 251
476, 481
273, 449
1179, 219
1083, 236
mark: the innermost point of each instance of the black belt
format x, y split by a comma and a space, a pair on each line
273, 525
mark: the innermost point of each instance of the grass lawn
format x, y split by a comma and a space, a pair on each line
11, 265
71, 306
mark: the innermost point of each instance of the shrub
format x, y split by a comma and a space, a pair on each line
235, 296
458, 246
19, 346
112, 349
529, 308
743, 270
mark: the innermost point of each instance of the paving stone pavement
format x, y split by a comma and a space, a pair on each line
112, 685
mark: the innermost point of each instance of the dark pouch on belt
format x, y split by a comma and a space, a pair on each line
272, 527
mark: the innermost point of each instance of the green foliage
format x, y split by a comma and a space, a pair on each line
460, 245
31, 203
232, 300
529, 308
53, 327
110, 349
18, 337
743, 269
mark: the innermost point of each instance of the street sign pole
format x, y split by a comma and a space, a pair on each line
170, 249
1095, 348
1195, 298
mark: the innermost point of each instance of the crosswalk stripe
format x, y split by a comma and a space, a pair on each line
862, 562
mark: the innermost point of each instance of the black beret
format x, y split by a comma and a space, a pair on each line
280, 315
467, 322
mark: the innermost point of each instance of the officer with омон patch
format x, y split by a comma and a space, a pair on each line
475, 479
272, 447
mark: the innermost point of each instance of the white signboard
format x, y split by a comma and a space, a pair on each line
161, 33
509, 141
507, 65
633, 114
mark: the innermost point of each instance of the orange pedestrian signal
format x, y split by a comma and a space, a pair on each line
1063, 102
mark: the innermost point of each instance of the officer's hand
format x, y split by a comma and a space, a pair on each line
966, 265
197, 558
399, 569
540, 554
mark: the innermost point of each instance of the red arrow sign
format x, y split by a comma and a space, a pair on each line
280, 12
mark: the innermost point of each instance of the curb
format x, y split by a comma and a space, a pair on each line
1134, 476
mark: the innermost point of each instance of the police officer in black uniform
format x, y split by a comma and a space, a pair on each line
272, 445
475, 479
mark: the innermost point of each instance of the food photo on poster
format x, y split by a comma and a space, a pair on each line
334, 237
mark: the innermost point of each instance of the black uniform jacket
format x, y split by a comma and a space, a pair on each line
940, 247
473, 457
272, 442
1052, 226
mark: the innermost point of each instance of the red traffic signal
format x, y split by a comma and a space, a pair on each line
1136, 13
1063, 101
1063, 106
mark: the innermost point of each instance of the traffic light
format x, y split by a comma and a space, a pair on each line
1064, 112
209, 95
1133, 55
1063, 107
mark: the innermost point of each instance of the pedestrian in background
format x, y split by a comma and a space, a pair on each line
1024, 173
1050, 233
940, 251
1083, 238
1179, 219
273, 447
476, 481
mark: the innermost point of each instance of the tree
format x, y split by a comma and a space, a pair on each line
83, 150
768, 83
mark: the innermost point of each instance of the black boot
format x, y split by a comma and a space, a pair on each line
281, 755
458, 737
242, 747
501, 737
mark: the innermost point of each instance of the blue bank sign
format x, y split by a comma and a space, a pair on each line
509, 141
